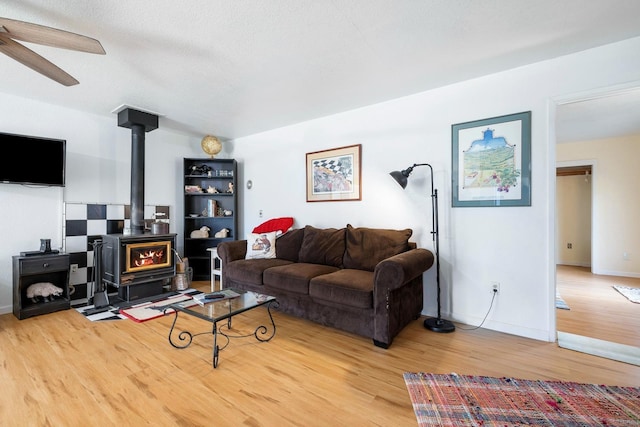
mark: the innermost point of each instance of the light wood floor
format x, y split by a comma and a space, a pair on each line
60, 369
596, 309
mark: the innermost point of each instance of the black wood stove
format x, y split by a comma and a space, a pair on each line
140, 264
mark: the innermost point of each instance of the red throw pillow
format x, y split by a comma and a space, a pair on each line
275, 224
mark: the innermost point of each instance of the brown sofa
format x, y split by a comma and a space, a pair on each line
362, 280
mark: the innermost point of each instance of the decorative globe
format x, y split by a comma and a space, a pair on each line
211, 145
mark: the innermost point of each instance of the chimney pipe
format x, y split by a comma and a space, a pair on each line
137, 179
139, 122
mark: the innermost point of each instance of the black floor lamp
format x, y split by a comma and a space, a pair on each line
436, 324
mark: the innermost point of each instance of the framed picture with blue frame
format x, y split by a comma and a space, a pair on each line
491, 162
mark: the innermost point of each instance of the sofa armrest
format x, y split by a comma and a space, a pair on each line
232, 250
397, 293
399, 269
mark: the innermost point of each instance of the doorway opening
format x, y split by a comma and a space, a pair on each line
591, 240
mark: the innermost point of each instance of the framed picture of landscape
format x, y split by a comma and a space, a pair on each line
334, 175
491, 162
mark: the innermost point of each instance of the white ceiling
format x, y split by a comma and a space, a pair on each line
237, 67
611, 114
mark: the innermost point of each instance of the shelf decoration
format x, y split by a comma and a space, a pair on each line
192, 189
201, 233
211, 145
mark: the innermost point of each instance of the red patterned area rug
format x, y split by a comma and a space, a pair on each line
461, 400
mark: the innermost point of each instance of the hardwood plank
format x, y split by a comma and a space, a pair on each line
596, 309
61, 369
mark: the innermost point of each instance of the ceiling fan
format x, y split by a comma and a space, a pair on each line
11, 30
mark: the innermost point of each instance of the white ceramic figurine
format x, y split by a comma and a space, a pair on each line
222, 233
44, 290
202, 233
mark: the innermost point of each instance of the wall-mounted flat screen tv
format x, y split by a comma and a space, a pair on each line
32, 160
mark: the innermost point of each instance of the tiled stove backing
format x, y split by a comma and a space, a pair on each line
85, 222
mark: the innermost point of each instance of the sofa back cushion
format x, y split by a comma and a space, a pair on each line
322, 246
288, 244
366, 247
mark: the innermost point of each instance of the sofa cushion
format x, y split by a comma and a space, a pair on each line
251, 270
348, 287
288, 244
279, 225
294, 277
261, 245
322, 246
366, 247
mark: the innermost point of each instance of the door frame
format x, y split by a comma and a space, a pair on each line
552, 105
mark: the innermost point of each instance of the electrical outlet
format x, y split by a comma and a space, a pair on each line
569, 245
74, 268
260, 213
495, 287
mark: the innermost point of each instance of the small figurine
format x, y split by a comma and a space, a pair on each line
192, 189
222, 233
44, 290
202, 233
230, 189
212, 190
200, 170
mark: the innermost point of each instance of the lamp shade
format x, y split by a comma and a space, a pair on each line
400, 178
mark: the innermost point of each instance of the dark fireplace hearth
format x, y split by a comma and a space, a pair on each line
139, 265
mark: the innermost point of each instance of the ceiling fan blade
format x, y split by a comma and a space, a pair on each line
34, 61
48, 36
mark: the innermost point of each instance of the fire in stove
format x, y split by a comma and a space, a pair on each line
149, 255
148, 258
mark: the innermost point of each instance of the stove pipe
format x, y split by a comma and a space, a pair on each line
139, 122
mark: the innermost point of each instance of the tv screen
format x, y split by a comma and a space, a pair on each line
32, 160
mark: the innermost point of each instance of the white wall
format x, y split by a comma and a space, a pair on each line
616, 205
98, 171
511, 245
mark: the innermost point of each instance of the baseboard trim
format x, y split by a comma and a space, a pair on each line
610, 350
616, 273
574, 264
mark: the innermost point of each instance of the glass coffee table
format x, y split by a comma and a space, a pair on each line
216, 312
